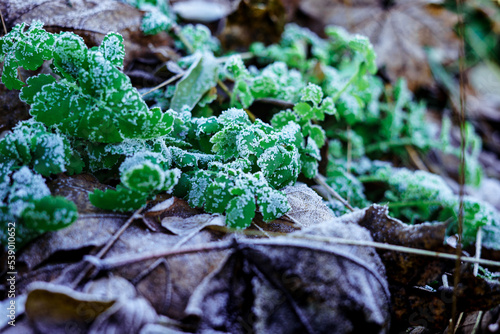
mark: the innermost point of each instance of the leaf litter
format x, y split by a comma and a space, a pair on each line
245, 265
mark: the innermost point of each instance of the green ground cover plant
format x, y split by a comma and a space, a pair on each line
197, 138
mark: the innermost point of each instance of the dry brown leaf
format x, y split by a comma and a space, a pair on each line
326, 288
307, 207
90, 230
409, 274
399, 31
54, 308
105, 306
185, 226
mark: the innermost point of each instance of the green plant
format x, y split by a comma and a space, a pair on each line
87, 117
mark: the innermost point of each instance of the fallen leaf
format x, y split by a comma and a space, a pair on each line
105, 306
409, 275
90, 230
307, 207
283, 285
128, 314
56, 309
193, 224
399, 30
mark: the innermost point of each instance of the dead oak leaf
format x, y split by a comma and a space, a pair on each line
399, 30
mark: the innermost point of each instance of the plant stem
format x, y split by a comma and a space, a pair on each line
224, 88
3, 23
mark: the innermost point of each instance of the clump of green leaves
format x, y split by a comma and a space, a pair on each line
93, 99
89, 118
24, 196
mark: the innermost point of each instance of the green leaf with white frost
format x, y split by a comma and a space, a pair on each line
27, 48
122, 199
49, 214
240, 211
112, 49
198, 79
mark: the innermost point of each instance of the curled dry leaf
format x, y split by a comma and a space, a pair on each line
91, 19
51, 308
399, 30
284, 285
409, 275
193, 224
107, 306
307, 207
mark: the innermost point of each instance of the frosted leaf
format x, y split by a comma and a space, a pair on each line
200, 37
240, 211
49, 214
199, 183
26, 186
5, 172
270, 160
235, 66
50, 154
70, 53
312, 149
113, 49
420, 185
272, 203
154, 22
139, 159
145, 177
121, 199
312, 93
128, 147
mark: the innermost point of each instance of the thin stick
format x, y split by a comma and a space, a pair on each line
478, 322
415, 158
276, 102
164, 83
3, 23
224, 88
107, 247
119, 261
460, 316
177, 31
320, 179
479, 237
461, 59
349, 150
261, 230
